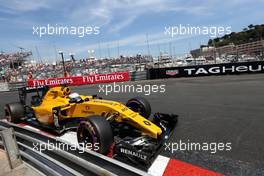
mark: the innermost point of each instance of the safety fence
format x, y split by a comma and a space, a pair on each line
4, 86
11, 86
81, 80
152, 73
207, 70
138, 75
59, 161
15, 85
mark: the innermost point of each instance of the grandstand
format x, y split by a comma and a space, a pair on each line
11, 65
16, 67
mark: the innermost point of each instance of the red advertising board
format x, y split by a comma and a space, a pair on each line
81, 80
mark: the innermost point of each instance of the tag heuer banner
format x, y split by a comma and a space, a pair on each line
207, 70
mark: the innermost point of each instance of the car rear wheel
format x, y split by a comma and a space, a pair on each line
14, 112
140, 105
95, 133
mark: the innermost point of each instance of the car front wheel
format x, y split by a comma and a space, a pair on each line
95, 133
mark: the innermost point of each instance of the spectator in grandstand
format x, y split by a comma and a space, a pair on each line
29, 77
14, 71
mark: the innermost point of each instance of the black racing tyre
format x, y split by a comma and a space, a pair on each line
140, 105
95, 133
14, 112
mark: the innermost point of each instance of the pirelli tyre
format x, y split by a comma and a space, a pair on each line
140, 105
95, 133
14, 112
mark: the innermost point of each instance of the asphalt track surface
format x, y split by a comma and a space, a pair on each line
215, 109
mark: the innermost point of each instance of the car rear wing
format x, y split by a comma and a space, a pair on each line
23, 91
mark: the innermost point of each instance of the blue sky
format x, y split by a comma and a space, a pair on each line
123, 22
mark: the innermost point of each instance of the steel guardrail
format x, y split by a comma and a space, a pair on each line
45, 164
76, 163
13, 86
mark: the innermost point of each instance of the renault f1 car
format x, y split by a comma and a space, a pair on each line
103, 123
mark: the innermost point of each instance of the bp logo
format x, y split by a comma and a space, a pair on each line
172, 72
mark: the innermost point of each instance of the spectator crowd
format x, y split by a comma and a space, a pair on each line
17, 67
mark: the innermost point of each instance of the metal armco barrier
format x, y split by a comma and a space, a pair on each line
10, 145
13, 86
81, 80
4, 87
207, 70
138, 75
65, 162
153, 73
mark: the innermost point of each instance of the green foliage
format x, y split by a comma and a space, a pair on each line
249, 34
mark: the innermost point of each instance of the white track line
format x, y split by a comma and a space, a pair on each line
159, 165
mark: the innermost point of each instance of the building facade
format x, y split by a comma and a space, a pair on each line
251, 48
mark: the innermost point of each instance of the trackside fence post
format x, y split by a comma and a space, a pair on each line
11, 148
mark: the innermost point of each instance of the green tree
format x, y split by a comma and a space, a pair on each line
252, 33
251, 26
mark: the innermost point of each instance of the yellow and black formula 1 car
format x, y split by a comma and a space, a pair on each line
102, 123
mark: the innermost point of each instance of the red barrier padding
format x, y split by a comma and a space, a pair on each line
179, 168
81, 80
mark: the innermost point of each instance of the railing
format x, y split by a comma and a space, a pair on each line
13, 86
4, 86
65, 162
175, 72
138, 75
